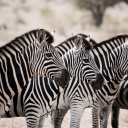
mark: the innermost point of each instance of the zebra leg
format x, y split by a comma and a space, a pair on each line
95, 116
41, 121
32, 121
104, 116
76, 114
2, 109
32, 115
115, 116
57, 117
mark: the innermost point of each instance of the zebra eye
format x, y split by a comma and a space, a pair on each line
86, 60
49, 55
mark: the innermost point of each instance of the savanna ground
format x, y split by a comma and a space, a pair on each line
20, 16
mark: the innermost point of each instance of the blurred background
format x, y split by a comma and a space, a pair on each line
102, 18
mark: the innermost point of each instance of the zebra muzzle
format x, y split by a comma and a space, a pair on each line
99, 82
63, 79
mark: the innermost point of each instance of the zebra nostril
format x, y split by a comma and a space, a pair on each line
65, 74
63, 78
100, 78
99, 82
53, 78
90, 82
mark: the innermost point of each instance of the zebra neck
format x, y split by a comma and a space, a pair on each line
15, 66
77, 89
101, 50
107, 63
63, 99
113, 72
69, 61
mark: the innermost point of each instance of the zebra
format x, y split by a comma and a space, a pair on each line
36, 99
121, 102
29, 53
118, 62
101, 54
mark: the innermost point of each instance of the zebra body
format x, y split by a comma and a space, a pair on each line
25, 55
37, 103
34, 101
121, 102
114, 70
77, 96
109, 69
34, 106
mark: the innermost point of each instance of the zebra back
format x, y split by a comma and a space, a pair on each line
111, 43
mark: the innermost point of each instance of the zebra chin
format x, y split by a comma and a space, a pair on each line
63, 79
99, 82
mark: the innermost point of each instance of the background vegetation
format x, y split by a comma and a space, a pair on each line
97, 8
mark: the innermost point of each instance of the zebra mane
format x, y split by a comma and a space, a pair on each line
70, 42
36, 32
92, 41
116, 38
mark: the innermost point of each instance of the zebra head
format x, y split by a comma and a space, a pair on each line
83, 64
46, 61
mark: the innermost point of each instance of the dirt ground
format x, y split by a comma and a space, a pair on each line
20, 122
20, 16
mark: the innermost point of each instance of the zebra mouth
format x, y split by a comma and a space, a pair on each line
61, 82
64, 78
98, 83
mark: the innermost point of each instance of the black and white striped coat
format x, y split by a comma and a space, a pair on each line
121, 102
24, 55
36, 99
116, 62
105, 96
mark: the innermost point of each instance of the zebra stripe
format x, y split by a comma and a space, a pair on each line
18, 60
105, 96
77, 96
121, 102
37, 97
114, 73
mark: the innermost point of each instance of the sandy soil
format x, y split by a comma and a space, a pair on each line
20, 16
20, 122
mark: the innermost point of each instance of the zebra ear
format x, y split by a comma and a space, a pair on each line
53, 33
78, 42
41, 36
44, 36
88, 38
87, 44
